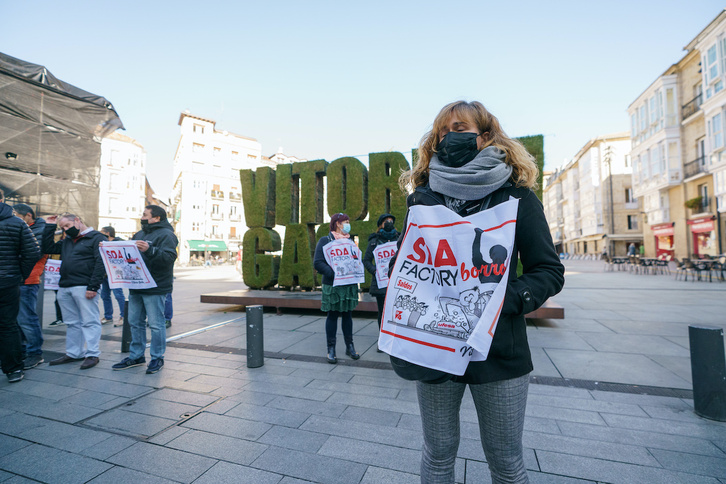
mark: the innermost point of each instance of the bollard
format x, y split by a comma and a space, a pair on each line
126, 333
708, 371
255, 340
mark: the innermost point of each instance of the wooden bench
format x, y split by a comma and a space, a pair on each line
311, 300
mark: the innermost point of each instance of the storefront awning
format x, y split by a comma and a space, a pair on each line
202, 245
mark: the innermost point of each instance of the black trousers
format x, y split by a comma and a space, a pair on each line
331, 326
10, 340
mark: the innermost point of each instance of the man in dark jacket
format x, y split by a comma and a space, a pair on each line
386, 233
28, 320
81, 275
18, 254
157, 243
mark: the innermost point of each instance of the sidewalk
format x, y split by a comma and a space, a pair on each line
208, 418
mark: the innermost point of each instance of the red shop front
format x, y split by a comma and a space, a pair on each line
704, 241
663, 238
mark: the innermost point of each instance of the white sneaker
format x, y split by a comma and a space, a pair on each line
106, 320
119, 323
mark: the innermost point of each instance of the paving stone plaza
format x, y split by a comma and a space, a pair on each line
610, 398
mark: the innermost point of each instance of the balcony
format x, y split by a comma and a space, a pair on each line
690, 108
699, 205
694, 167
217, 216
235, 197
233, 237
217, 194
235, 217
632, 205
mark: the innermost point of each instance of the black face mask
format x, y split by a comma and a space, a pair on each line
72, 232
388, 226
144, 223
457, 149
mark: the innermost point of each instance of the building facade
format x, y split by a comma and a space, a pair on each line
206, 204
678, 151
122, 185
589, 202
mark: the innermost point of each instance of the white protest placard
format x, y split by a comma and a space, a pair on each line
345, 259
124, 265
51, 274
382, 256
447, 286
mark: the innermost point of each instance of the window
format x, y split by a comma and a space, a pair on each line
233, 210
716, 128
235, 155
711, 64
215, 209
217, 151
215, 229
632, 222
197, 148
115, 158
627, 161
198, 128
629, 195
251, 157
655, 160
197, 167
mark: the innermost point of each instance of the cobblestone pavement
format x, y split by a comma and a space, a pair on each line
610, 399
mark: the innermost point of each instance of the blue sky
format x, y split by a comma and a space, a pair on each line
331, 79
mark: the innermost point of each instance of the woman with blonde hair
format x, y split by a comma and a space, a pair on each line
468, 164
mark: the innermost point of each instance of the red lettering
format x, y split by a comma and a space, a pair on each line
418, 247
486, 271
474, 272
444, 255
464, 272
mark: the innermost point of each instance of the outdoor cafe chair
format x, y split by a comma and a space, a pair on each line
608, 263
680, 267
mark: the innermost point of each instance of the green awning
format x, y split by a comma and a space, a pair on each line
202, 245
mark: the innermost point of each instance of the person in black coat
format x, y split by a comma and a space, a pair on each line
468, 164
81, 275
19, 252
386, 233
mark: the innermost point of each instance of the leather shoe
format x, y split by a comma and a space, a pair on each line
331, 355
89, 362
63, 359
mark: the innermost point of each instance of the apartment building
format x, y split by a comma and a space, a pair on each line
589, 202
122, 184
207, 208
679, 162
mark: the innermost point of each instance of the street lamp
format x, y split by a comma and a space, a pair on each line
608, 159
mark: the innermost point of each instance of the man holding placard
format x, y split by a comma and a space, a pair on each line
81, 275
157, 244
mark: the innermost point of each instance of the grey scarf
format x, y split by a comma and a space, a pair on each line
473, 181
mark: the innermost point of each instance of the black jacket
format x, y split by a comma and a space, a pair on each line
19, 250
160, 257
82, 264
542, 277
319, 262
374, 240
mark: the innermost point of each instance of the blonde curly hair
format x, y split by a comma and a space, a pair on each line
524, 167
